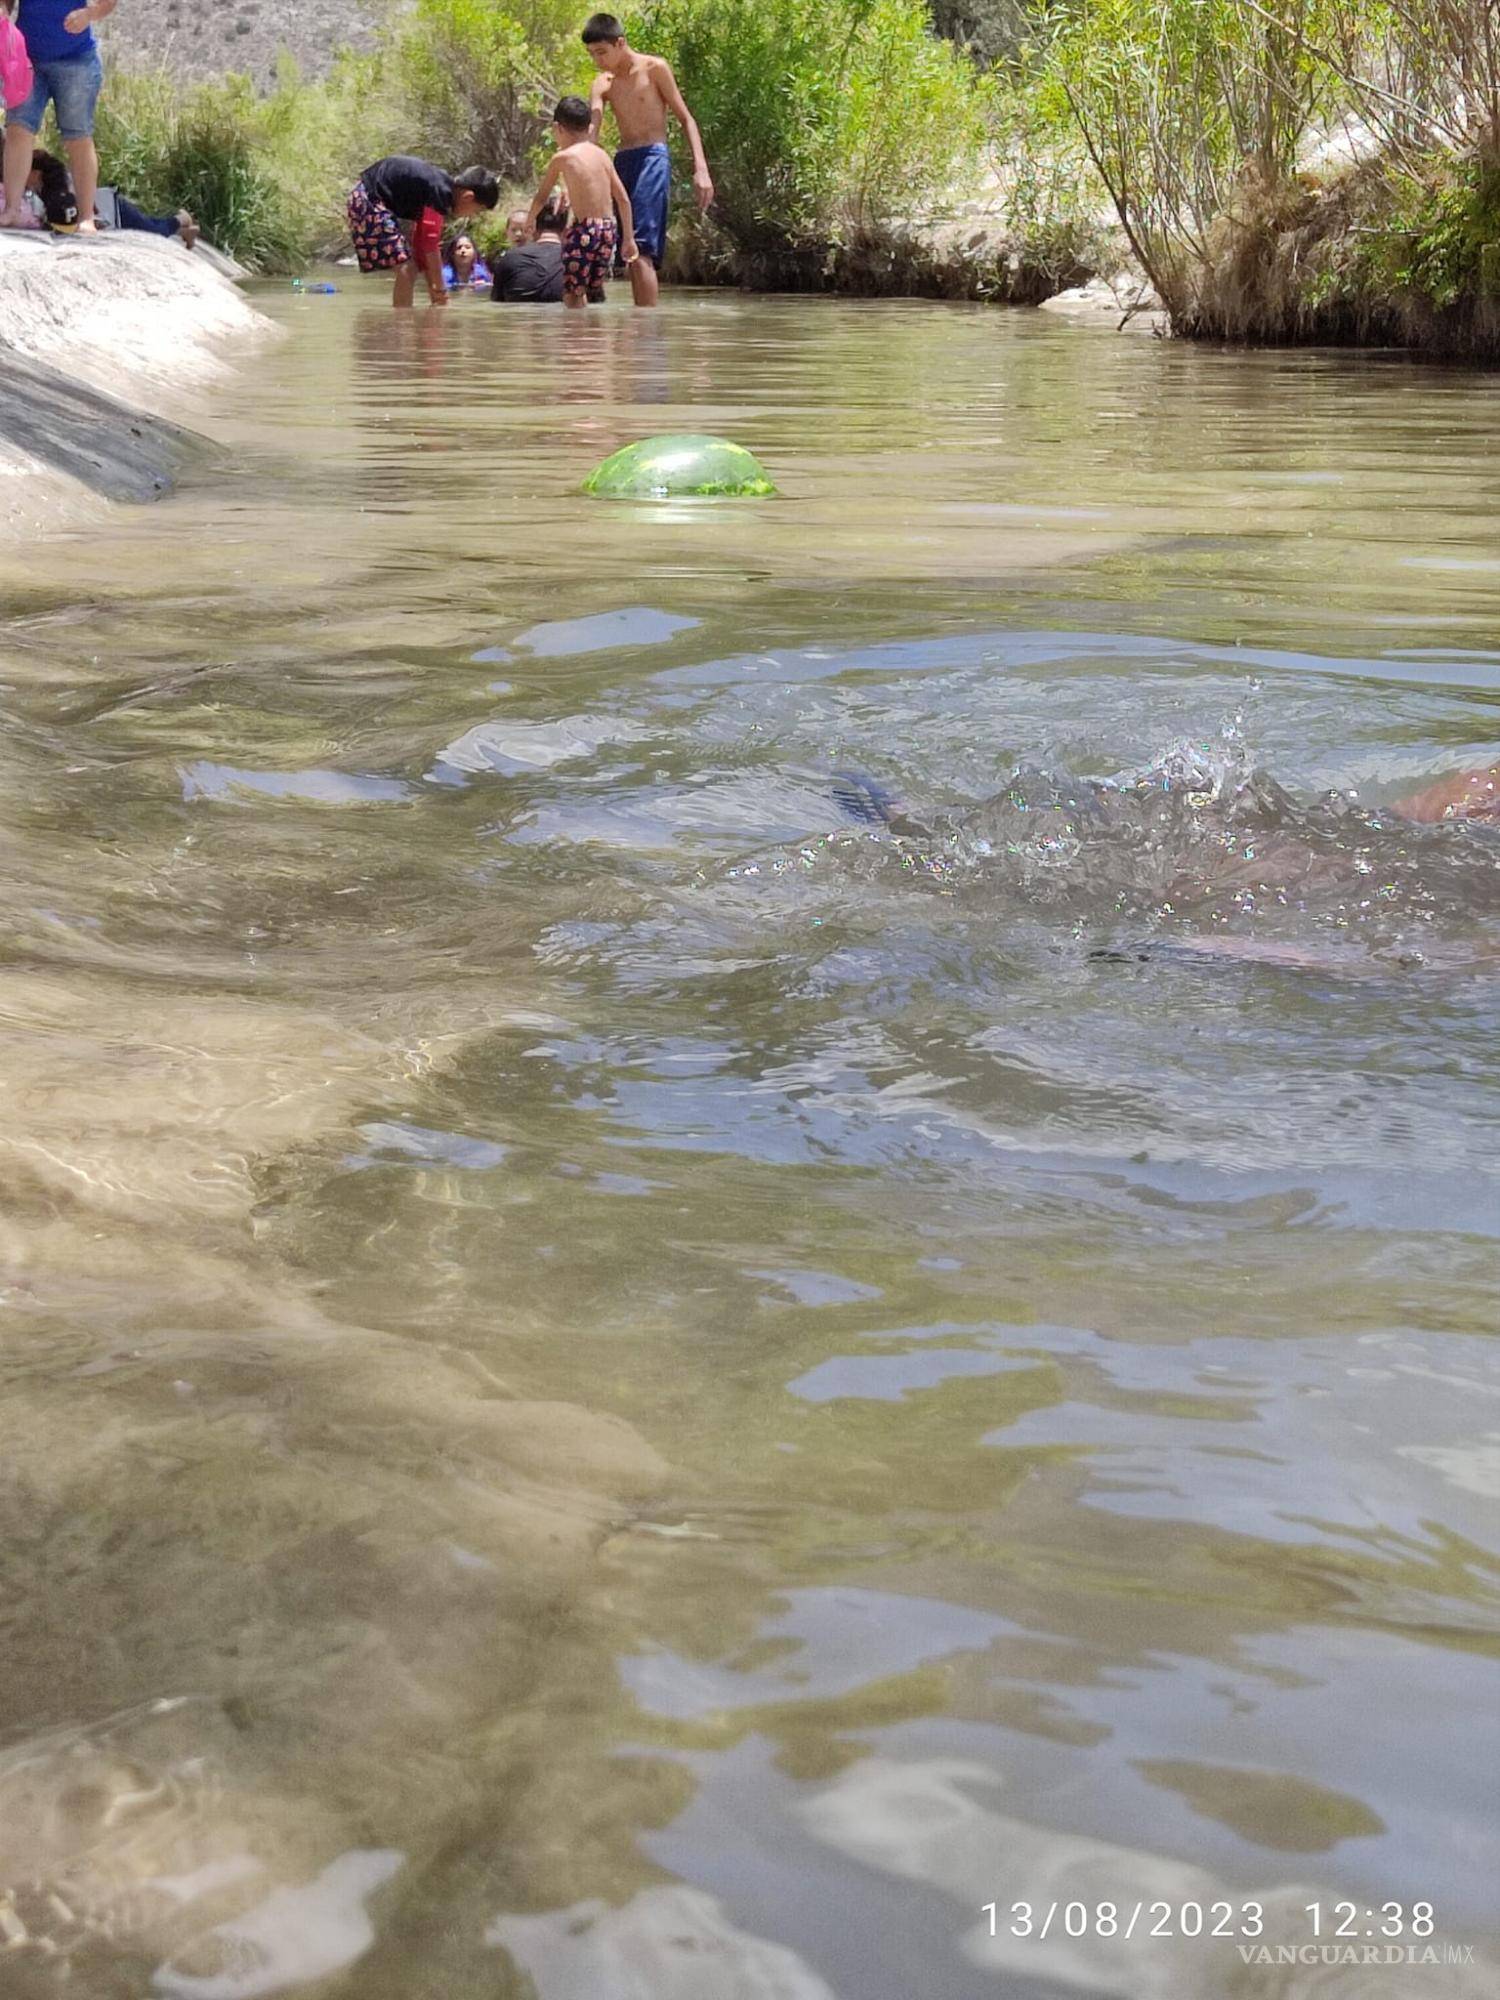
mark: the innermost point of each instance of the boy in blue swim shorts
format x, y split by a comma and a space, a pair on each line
641, 90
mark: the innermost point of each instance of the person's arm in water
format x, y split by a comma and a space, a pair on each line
628, 251
676, 103
427, 249
539, 199
1463, 795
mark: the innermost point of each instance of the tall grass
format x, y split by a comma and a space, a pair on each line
265, 174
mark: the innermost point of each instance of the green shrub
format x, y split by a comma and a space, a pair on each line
201, 149
266, 176
478, 81
1430, 240
821, 118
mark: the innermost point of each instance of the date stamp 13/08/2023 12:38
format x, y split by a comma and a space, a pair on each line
1350, 1933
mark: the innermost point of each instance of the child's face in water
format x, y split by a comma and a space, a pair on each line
515, 227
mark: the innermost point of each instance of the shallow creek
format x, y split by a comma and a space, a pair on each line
661, 1332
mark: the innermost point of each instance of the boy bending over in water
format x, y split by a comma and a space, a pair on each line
398, 210
595, 193
641, 90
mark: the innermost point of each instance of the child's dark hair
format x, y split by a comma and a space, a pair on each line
553, 215
572, 114
59, 202
479, 182
602, 28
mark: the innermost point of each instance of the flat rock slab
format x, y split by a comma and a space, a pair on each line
105, 445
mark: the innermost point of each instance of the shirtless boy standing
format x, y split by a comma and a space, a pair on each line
641, 90
595, 195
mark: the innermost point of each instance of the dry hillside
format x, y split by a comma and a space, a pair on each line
197, 38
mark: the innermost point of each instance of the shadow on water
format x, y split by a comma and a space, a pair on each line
635, 1365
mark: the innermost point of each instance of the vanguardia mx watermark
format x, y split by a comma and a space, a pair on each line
1356, 1954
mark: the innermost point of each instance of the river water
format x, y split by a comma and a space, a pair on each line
664, 1331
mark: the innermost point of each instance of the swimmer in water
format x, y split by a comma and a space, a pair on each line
1205, 862
1467, 795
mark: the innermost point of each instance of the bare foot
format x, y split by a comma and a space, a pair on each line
12, 218
187, 227
89, 228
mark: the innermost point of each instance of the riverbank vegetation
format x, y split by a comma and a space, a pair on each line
1278, 169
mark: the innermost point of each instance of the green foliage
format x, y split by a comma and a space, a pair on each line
821, 118
1434, 233
1180, 102
479, 81
264, 175
1194, 112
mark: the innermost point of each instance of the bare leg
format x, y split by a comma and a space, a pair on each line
575, 301
19, 147
84, 162
645, 287
406, 285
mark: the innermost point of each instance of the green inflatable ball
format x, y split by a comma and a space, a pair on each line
677, 468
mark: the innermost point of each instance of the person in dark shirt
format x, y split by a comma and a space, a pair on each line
397, 210
531, 271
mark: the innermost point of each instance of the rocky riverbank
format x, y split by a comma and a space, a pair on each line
104, 342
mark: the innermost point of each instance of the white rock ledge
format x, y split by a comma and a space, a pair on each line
114, 331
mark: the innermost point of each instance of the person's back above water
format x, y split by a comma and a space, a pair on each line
531, 271
596, 196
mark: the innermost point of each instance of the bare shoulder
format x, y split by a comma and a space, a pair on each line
659, 70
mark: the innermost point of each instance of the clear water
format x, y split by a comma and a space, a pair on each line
623, 1366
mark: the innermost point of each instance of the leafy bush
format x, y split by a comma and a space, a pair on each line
821, 118
479, 81
1437, 226
1195, 113
1179, 102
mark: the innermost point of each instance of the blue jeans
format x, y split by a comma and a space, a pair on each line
132, 217
73, 86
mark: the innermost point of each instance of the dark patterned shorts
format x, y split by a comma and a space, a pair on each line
379, 241
588, 255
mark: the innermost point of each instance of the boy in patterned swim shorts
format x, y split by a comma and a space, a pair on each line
595, 195
398, 211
